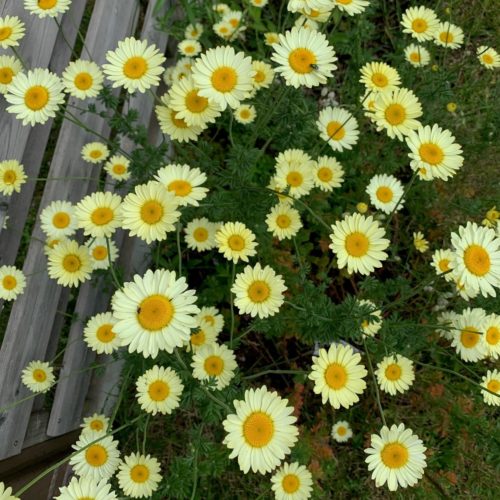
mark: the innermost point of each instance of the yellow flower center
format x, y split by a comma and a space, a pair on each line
259, 291
379, 80
344, 2
395, 114
151, 212
95, 154
6, 75
294, 179
86, 498
357, 244
105, 333
39, 375
195, 102
336, 376
384, 194
71, 263
335, 130
198, 338
415, 57
158, 390
36, 97
5, 32
446, 37
283, 221
189, 49
102, 215
487, 59
96, 425
477, 260
9, 177
325, 174
200, 234
258, 429
301, 60
9, 282
178, 122
209, 319
492, 335
469, 337
245, 114
444, 265
431, 153
260, 76
341, 431
96, 455
139, 473
419, 25
47, 4
100, 252
135, 67
214, 365
236, 242
180, 187
290, 483
224, 79
234, 22
393, 372
60, 220
155, 312
394, 455
119, 169
494, 385
83, 81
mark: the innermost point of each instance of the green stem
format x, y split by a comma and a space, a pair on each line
21, 60
406, 191
112, 267
377, 393
216, 400
145, 434
179, 252
40, 476
64, 36
231, 302
274, 372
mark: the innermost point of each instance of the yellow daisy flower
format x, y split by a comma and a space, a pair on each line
139, 475
12, 177
211, 317
134, 65
35, 96
118, 168
99, 214
417, 55
201, 336
189, 48
150, 212
38, 376
10, 66
95, 422
294, 172
370, 327
97, 461
154, 312
58, 220
258, 291
82, 79
491, 381
159, 390
292, 482
264, 75
487, 56
12, 282
261, 432
385, 192
193, 31
214, 362
338, 375
304, 57
448, 35
245, 114
379, 77
86, 487
224, 76
223, 29
270, 38
69, 263
419, 242
351, 7
99, 254
200, 234
51, 8
328, 173
235, 241
358, 243
6, 492
99, 334
341, 431
396, 457
443, 261
95, 152
283, 221
338, 127
492, 335
468, 334
11, 31
420, 22
395, 374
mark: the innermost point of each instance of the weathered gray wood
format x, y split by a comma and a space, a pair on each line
33, 313
69, 398
19, 204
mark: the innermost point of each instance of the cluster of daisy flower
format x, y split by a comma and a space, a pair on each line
157, 312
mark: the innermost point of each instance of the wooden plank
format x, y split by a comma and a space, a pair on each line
19, 204
69, 398
33, 313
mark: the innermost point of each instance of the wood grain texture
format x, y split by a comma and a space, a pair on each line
32, 315
67, 410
